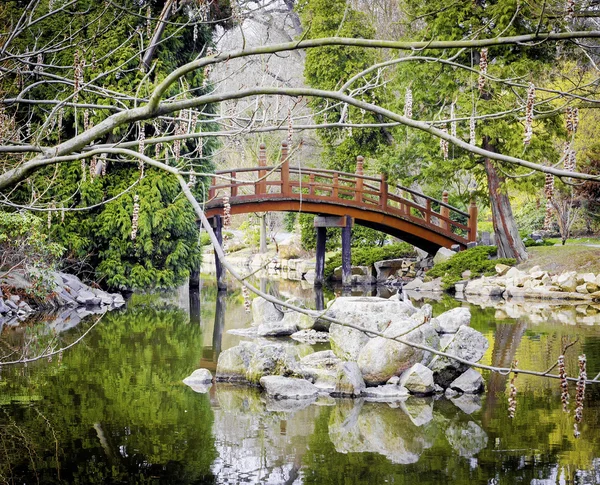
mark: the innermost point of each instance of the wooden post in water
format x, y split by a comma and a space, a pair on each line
261, 185
320, 258
359, 181
285, 170
472, 219
444, 211
346, 253
217, 223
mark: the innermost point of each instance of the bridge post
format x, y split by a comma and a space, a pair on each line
346, 253
261, 185
359, 181
320, 257
285, 170
383, 188
234, 189
444, 211
217, 223
472, 220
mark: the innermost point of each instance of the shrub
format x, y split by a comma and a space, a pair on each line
477, 260
368, 256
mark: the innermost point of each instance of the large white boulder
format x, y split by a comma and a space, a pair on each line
288, 388
382, 358
418, 379
264, 311
467, 344
368, 312
452, 320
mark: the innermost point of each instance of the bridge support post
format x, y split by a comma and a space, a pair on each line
346, 253
444, 211
217, 223
320, 258
263, 233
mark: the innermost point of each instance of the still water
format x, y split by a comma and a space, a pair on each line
112, 409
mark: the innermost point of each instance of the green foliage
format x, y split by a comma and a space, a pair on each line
308, 234
25, 244
289, 221
532, 242
476, 260
98, 241
369, 255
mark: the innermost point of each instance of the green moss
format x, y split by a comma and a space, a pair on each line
370, 255
477, 260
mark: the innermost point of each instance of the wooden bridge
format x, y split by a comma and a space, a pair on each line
423, 221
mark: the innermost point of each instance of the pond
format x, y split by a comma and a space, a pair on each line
113, 409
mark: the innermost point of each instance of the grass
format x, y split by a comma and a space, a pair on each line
570, 257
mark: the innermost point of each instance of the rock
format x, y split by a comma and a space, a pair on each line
368, 312
382, 358
467, 403
310, 336
385, 393
468, 344
300, 320
432, 286
469, 382
349, 381
87, 298
443, 254
582, 289
288, 388
270, 360
414, 284
264, 311
118, 300
199, 381
567, 281
279, 328
233, 363
199, 376
452, 320
393, 381
387, 268
467, 439
3, 308
502, 269
418, 379
12, 305
322, 368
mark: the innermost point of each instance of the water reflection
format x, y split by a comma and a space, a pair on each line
115, 410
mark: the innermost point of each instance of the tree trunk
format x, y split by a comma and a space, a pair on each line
508, 240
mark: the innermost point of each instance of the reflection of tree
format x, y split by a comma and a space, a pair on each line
507, 339
115, 411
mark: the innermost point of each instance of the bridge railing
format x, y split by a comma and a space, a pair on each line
334, 187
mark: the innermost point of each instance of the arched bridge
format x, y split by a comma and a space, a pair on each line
371, 201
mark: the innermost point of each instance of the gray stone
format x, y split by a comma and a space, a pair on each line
385, 393
300, 320
233, 363
12, 305
3, 308
443, 254
199, 376
393, 381
414, 284
272, 360
72, 282
370, 313
349, 381
288, 388
452, 320
418, 380
264, 311
87, 298
15, 299
469, 382
382, 358
387, 268
467, 344
278, 328
118, 300
322, 368
485, 238
471, 244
